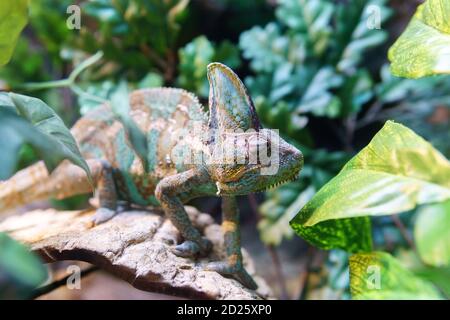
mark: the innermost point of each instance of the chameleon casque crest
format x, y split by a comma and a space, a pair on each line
176, 127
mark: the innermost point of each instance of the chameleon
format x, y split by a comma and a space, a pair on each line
191, 153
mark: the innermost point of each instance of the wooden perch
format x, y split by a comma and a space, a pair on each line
135, 246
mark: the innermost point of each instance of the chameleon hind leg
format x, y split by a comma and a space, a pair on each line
233, 267
68, 180
168, 193
105, 192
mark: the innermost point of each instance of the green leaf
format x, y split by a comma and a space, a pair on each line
359, 28
395, 172
50, 137
194, 58
432, 234
440, 277
424, 47
356, 91
380, 276
175, 12
317, 99
309, 55
228, 54
311, 17
12, 131
352, 235
266, 47
151, 80
19, 266
101, 90
120, 104
13, 18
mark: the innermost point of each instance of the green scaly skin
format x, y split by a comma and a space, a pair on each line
172, 120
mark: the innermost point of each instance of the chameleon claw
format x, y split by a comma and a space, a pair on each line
191, 248
236, 272
186, 249
102, 215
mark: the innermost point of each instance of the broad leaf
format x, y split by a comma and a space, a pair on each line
440, 277
13, 18
20, 270
14, 131
397, 171
432, 234
380, 276
48, 135
424, 48
352, 235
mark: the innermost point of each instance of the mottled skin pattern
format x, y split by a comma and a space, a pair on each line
172, 120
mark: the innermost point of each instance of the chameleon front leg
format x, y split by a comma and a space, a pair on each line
168, 193
233, 267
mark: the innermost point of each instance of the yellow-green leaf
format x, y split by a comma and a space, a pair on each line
379, 276
432, 234
395, 172
13, 18
352, 235
440, 277
424, 47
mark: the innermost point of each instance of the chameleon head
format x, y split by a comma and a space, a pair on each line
245, 158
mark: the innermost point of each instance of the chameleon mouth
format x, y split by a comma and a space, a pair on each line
223, 188
278, 183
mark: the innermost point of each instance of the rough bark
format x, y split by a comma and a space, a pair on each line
135, 246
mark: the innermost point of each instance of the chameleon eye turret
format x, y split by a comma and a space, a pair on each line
267, 160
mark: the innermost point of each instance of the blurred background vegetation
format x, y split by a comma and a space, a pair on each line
315, 71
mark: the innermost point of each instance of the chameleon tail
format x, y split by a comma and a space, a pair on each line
35, 183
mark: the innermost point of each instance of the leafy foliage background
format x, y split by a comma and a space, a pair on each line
316, 70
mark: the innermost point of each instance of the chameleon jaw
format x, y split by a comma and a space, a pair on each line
221, 187
278, 183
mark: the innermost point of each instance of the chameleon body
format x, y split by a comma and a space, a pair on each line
187, 158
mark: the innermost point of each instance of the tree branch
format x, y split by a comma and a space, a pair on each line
136, 247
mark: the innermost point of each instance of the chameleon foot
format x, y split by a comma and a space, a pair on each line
191, 248
235, 271
102, 215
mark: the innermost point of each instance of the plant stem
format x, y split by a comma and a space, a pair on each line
404, 232
304, 274
153, 55
46, 85
84, 65
279, 271
350, 127
65, 82
371, 115
272, 251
